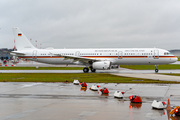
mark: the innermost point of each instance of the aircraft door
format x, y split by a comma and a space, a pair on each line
77, 54
120, 55
34, 55
156, 54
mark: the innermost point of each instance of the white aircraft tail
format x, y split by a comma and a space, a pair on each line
21, 42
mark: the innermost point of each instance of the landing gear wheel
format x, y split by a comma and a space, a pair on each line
93, 70
156, 70
86, 70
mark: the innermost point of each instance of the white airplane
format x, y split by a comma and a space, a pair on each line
95, 59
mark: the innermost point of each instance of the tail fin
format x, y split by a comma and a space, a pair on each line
21, 41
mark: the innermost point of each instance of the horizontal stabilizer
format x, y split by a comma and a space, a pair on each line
17, 53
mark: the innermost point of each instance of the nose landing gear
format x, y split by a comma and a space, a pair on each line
156, 69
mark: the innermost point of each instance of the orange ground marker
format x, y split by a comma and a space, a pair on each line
168, 105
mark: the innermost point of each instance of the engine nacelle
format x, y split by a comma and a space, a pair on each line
101, 65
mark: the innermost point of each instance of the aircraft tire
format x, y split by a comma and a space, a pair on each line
93, 70
86, 70
156, 70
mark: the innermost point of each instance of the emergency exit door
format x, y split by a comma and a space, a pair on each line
77, 54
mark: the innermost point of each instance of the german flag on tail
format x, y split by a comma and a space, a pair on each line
19, 34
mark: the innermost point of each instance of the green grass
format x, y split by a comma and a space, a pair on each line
61, 77
41, 68
179, 59
151, 67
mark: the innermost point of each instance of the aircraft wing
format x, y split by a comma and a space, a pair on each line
75, 58
17, 53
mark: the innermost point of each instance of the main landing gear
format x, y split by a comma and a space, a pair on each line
86, 69
93, 70
156, 69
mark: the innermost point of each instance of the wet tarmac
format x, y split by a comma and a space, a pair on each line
65, 101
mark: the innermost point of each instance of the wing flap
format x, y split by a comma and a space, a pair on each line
75, 58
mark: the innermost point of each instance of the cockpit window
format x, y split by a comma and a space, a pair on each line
167, 53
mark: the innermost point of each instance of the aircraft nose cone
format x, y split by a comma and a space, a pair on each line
174, 59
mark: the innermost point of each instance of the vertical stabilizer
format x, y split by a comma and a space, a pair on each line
21, 42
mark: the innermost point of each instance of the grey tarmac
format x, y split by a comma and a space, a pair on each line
146, 74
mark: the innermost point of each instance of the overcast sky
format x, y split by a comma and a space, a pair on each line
92, 23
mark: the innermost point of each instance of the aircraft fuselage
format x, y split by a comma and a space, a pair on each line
125, 56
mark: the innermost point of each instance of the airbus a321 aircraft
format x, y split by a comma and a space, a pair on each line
93, 59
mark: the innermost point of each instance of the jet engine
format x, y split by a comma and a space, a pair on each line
101, 65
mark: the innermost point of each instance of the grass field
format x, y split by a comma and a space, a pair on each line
151, 67
41, 68
61, 77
